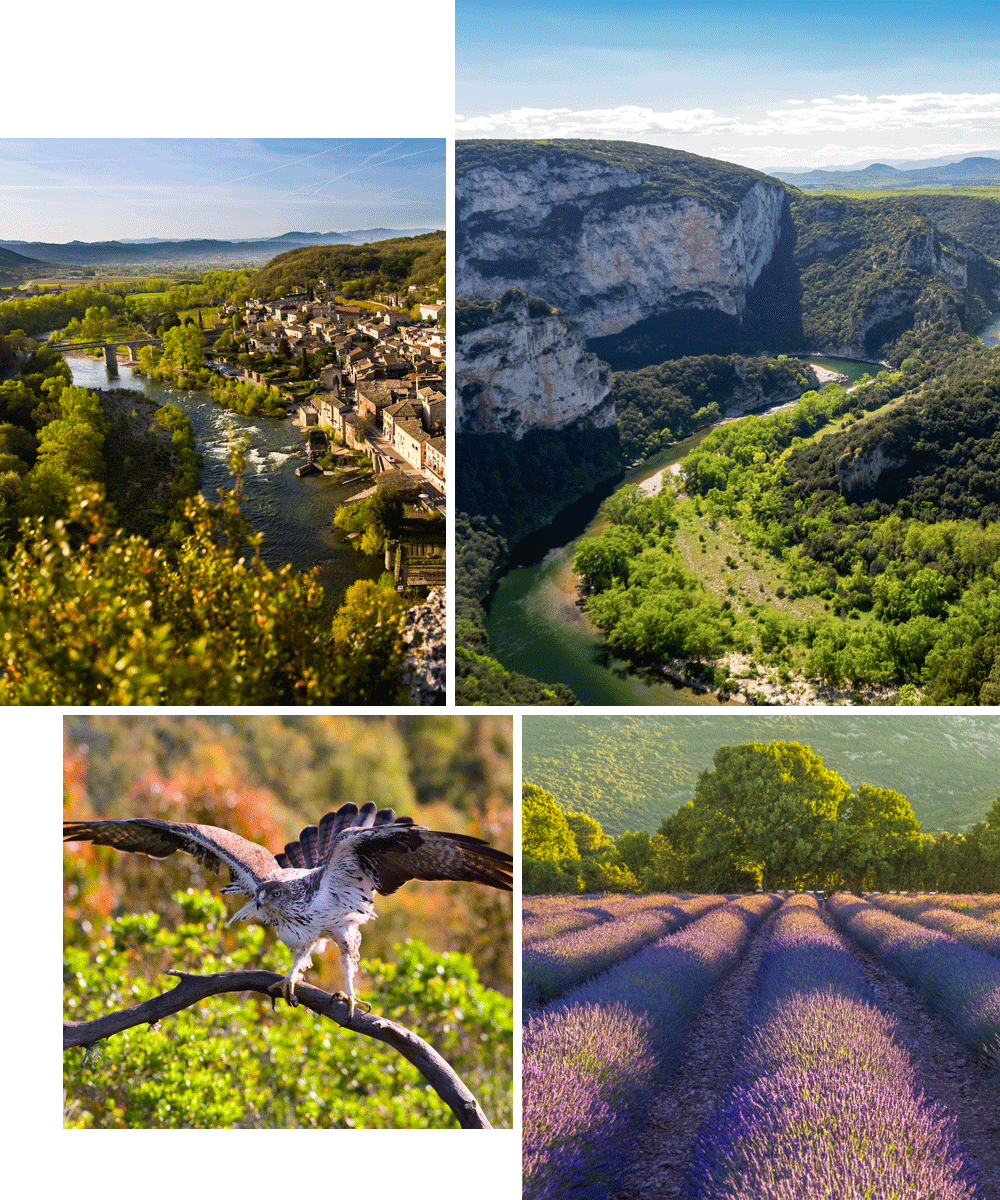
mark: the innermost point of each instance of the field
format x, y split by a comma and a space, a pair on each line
762, 1047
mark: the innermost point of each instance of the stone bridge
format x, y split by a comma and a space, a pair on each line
111, 349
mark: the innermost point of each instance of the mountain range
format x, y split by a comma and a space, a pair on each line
210, 251
968, 172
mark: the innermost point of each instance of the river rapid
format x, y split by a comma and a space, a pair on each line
295, 515
536, 625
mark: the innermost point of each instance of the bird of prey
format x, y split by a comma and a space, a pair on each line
323, 885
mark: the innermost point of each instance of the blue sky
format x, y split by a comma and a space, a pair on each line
768, 83
60, 190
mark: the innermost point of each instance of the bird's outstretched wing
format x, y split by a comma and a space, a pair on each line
393, 850
248, 863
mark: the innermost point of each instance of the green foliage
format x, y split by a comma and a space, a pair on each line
90, 615
377, 519
661, 404
545, 831
771, 809
250, 399
233, 1063
391, 265
633, 772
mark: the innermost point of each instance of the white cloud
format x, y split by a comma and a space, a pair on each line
841, 114
625, 121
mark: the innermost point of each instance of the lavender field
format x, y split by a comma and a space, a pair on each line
863, 1060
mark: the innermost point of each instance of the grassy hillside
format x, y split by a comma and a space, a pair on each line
629, 772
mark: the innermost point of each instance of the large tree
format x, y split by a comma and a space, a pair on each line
771, 809
881, 838
545, 833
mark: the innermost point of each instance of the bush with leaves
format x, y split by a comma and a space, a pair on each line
90, 615
231, 1062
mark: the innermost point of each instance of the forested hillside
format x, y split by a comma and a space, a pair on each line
630, 772
391, 265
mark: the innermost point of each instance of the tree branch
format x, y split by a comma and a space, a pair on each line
193, 988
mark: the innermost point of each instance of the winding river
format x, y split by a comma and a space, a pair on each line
535, 624
295, 515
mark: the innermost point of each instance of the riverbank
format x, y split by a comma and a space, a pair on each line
752, 682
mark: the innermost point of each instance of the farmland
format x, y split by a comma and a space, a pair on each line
762, 1047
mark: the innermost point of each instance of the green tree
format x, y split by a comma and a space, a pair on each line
183, 346
545, 832
89, 615
635, 851
590, 838
772, 808
881, 837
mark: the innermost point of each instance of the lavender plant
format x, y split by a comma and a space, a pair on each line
591, 1060
983, 935
960, 983
824, 1102
552, 966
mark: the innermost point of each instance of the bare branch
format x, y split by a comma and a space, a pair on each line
193, 988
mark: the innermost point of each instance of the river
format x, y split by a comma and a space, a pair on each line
295, 515
535, 624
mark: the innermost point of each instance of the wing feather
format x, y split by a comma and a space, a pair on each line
213, 847
395, 853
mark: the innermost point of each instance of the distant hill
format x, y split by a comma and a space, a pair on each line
393, 264
16, 268
968, 172
631, 772
192, 251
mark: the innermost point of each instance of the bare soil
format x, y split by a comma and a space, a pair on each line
945, 1071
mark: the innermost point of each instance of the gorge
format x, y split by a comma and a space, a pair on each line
638, 254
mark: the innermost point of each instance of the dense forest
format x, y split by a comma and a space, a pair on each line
628, 772
763, 815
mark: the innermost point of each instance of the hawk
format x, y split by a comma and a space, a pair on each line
321, 886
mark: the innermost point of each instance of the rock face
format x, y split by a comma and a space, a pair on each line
864, 469
425, 636
528, 372
589, 238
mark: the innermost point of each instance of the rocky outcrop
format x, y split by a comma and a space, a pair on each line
425, 636
608, 251
525, 372
865, 468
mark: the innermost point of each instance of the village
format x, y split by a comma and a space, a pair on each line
380, 392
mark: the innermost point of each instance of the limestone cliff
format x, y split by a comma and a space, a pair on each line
522, 371
609, 245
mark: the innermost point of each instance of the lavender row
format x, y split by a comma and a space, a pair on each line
960, 983
544, 917
983, 935
824, 1101
552, 966
590, 1061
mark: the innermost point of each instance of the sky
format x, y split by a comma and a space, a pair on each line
770, 84
61, 190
